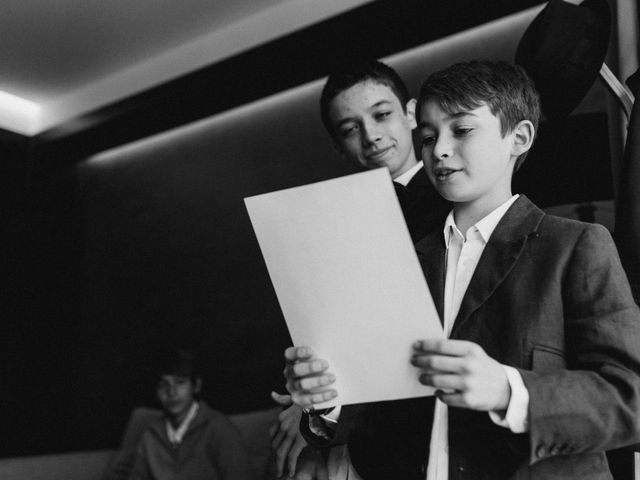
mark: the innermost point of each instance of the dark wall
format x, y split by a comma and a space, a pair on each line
169, 253
39, 299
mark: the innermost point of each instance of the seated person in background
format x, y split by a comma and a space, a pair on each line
188, 440
540, 370
369, 114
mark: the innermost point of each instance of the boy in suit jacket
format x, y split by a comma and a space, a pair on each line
369, 114
540, 371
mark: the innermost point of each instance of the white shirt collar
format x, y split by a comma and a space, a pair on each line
175, 435
485, 226
406, 177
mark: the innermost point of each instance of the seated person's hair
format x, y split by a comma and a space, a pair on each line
505, 88
173, 360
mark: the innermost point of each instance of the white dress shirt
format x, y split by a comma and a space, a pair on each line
404, 178
461, 261
175, 434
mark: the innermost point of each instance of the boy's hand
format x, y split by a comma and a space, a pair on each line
307, 378
463, 373
311, 465
286, 440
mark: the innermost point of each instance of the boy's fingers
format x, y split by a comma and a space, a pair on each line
449, 383
278, 438
294, 354
303, 369
453, 399
320, 397
294, 453
446, 346
283, 452
281, 399
307, 400
438, 363
279, 464
287, 414
311, 383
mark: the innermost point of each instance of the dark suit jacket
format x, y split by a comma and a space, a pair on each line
423, 208
548, 297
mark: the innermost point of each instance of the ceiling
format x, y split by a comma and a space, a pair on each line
63, 58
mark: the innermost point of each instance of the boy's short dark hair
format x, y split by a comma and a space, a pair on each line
344, 79
504, 87
181, 361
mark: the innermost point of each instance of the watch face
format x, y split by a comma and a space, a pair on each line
313, 412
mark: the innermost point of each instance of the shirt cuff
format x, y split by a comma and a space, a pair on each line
516, 418
324, 425
333, 415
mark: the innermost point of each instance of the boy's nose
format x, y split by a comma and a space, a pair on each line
370, 135
171, 390
442, 149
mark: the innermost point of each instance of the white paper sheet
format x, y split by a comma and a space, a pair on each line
348, 281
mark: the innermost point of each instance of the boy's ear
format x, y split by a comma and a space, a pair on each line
523, 135
198, 385
411, 113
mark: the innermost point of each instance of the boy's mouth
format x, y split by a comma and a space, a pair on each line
173, 404
377, 154
443, 174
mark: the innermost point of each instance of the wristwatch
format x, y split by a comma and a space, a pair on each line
317, 412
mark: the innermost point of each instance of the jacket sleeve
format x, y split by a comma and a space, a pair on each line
594, 403
139, 469
230, 452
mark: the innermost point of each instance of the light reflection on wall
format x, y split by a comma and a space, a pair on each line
494, 40
284, 101
18, 114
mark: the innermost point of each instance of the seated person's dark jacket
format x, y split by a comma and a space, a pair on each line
212, 449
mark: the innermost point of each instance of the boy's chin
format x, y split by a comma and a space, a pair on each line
174, 412
447, 194
453, 192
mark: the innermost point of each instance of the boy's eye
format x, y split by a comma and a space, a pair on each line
347, 130
382, 115
427, 141
462, 130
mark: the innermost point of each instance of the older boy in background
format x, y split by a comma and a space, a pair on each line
370, 115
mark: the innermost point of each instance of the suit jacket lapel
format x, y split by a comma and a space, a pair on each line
418, 183
431, 253
505, 245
